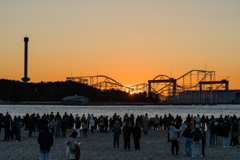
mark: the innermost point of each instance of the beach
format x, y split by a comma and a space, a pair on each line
100, 146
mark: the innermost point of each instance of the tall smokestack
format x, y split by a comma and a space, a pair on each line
25, 78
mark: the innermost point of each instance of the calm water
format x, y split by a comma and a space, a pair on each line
152, 110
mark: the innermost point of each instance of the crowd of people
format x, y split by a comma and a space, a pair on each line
223, 131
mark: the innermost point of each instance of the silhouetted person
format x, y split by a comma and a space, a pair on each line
31, 126
7, 127
116, 133
137, 136
126, 135
45, 139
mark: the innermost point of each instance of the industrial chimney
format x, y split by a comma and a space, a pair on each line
25, 78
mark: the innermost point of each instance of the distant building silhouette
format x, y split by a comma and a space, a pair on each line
25, 78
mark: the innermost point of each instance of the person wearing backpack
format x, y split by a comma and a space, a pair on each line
15, 128
197, 140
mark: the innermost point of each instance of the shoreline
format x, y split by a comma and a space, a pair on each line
104, 103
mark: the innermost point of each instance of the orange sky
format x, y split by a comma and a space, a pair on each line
128, 41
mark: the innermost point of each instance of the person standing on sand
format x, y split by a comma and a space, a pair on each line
8, 130
64, 124
212, 133
203, 121
77, 125
188, 119
85, 128
126, 135
137, 136
235, 134
218, 134
183, 126
151, 126
145, 125
160, 123
197, 140
45, 139
116, 132
156, 124
198, 120
0, 123
73, 149
173, 136
31, 126
58, 127
101, 123
20, 128
203, 139
187, 133
15, 128
26, 122
192, 121
52, 126
207, 122
105, 122
92, 124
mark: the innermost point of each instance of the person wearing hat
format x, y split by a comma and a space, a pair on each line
197, 140
116, 133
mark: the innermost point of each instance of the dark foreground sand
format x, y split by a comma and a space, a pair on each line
100, 146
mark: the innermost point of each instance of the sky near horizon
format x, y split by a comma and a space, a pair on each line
131, 41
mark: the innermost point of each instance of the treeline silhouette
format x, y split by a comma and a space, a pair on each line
16, 91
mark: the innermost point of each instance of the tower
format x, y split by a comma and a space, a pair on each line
25, 78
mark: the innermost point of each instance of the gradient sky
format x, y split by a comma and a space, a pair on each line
127, 40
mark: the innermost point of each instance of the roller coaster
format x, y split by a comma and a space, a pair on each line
162, 85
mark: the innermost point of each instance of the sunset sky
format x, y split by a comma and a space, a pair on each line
127, 40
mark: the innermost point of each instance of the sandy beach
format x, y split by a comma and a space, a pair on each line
100, 146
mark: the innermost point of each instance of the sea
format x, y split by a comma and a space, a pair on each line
151, 110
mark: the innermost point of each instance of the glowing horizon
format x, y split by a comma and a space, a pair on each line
131, 42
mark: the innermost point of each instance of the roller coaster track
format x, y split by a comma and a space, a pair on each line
206, 73
105, 82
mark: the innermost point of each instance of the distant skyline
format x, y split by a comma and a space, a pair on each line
129, 41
